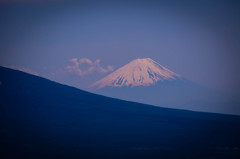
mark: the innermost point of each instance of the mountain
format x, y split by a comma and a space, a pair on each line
146, 81
139, 72
44, 119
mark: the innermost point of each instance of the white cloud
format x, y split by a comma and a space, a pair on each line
94, 66
85, 60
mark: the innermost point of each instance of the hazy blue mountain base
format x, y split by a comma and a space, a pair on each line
179, 93
44, 119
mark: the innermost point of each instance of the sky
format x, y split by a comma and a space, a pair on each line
79, 42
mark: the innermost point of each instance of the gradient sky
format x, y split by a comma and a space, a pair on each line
196, 39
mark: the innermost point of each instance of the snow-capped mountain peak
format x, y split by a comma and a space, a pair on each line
139, 72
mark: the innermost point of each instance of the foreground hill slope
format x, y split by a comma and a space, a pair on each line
43, 119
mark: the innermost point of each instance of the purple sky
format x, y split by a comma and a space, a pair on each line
198, 40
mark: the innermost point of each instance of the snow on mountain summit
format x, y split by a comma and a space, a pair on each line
139, 72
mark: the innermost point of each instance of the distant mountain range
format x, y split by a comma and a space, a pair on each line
146, 81
44, 119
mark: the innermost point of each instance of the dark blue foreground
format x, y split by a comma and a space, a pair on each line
43, 119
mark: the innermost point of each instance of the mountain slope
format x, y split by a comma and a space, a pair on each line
139, 72
146, 81
43, 119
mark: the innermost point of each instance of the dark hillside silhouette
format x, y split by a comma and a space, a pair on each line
43, 119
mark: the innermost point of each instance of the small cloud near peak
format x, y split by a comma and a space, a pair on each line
85, 60
93, 66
